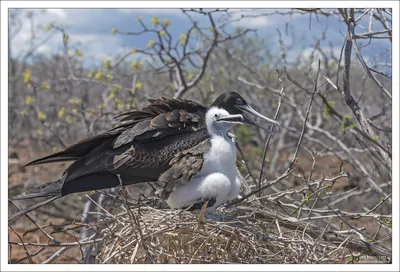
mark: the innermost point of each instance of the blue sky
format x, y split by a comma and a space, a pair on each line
90, 30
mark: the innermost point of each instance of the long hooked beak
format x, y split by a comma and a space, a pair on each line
232, 118
246, 109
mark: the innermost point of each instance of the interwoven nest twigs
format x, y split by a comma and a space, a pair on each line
253, 235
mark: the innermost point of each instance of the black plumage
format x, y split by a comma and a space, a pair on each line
163, 141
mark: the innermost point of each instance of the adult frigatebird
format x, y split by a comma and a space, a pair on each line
179, 143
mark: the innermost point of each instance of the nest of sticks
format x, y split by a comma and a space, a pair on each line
139, 232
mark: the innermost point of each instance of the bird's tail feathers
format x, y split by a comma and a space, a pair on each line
46, 190
51, 191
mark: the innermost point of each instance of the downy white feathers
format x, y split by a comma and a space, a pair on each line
218, 175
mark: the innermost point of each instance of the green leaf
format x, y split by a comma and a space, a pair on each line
74, 101
68, 119
307, 197
116, 87
347, 123
61, 113
139, 85
347, 116
155, 21
99, 75
106, 64
183, 38
27, 75
66, 38
45, 85
327, 108
41, 115
78, 53
49, 27
29, 100
151, 43
166, 22
111, 96
136, 64
23, 112
388, 222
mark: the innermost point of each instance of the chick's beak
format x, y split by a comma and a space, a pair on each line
232, 118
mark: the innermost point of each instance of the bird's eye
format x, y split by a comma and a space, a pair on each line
216, 115
239, 101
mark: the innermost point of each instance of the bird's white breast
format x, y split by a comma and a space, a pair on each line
217, 177
221, 158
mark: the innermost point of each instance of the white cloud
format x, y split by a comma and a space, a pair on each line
249, 18
44, 49
311, 56
61, 13
92, 43
88, 38
173, 12
254, 22
41, 19
99, 46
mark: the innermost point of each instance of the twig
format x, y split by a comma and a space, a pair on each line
379, 204
306, 117
53, 258
245, 162
28, 255
59, 244
271, 129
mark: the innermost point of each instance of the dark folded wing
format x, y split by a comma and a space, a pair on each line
162, 117
137, 162
184, 166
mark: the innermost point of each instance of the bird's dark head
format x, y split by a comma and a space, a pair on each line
228, 102
234, 103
